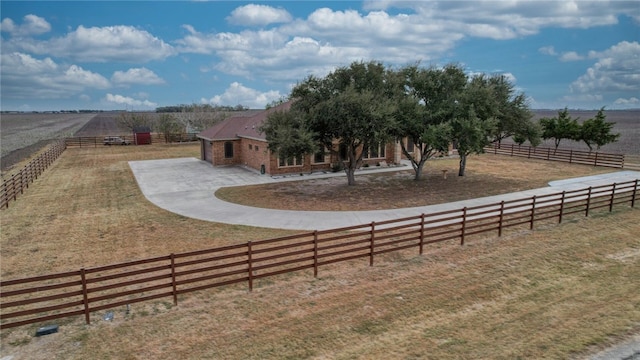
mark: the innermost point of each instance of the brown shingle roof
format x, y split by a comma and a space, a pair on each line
241, 126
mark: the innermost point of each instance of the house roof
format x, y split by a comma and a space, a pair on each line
240, 126
141, 129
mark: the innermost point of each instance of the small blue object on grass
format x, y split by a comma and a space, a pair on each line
46, 330
108, 316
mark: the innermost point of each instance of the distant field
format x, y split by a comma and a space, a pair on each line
22, 130
627, 124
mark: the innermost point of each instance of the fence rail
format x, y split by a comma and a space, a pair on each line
565, 155
156, 138
18, 183
79, 293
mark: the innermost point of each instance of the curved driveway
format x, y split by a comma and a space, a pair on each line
186, 186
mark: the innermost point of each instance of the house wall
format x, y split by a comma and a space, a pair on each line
309, 166
255, 154
217, 155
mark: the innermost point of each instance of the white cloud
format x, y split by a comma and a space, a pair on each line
515, 18
24, 76
129, 101
571, 56
548, 50
617, 69
100, 44
135, 76
629, 101
584, 98
33, 25
238, 94
258, 15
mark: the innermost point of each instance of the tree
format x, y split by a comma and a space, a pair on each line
471, 135
131, 120
531, 132
168, 124
509, 109
561, 127
426, 101
350, 107
288, 134
475, 118
274, 103
597, 131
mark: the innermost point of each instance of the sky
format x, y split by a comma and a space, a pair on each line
140, 55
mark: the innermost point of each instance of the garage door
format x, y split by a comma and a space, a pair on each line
206, 150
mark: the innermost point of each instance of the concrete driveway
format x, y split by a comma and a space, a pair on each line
186, 186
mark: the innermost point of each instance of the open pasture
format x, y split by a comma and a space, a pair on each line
555, 292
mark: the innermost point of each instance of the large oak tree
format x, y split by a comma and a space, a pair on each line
349, 109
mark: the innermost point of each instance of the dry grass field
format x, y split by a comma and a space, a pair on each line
559, 291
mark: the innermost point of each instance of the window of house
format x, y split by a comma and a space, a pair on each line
375, 151
257, 147
289, 161
342, 151
250, 147
228, 150
410, 145
321, 157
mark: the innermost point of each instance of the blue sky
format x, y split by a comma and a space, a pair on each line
145, 54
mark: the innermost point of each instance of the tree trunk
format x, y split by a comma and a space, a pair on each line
463, 164
351, 176
419, 170
351, 167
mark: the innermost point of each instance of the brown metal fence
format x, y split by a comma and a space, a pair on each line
47, 297
18, 183
565, 155
156, 138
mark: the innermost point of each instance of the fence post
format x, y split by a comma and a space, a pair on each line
250, 266
464, 225
586, 213
511, 149
85, 297
371, 246
561, 207
315, 254
533, 212
501, 218
13, 185
173, 279
633, 197
421, 233
595, 162
613, 193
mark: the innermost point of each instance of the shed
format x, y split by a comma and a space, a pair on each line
142, 135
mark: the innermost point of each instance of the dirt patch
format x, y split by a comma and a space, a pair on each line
486, 175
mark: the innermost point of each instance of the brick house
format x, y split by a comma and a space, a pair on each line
237, 141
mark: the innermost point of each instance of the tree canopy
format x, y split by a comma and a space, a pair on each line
367, 104
597, 131
426, 101
349, 106
561, 127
